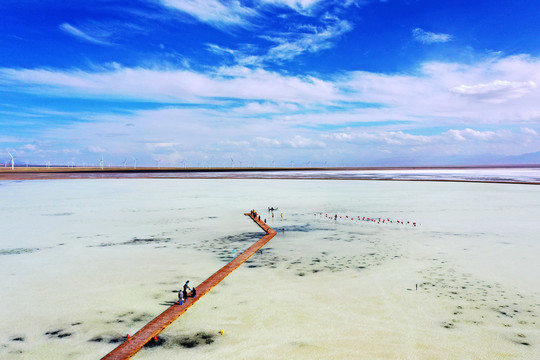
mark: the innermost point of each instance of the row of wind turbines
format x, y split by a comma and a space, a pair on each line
101, 163
158, 163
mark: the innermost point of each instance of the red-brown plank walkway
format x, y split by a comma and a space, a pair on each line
129, 347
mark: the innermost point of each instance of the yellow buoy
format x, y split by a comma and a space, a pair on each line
222, 332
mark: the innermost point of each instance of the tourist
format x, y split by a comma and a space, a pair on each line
181, 297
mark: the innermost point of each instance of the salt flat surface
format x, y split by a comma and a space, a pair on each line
506, 175
84, 262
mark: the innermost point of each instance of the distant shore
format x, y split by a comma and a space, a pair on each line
417, 173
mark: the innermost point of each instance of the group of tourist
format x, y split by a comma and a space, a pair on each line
183, 293
255, 215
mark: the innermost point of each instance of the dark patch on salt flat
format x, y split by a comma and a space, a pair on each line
185, 341
17, 338
154, 343
192, 341
142, 317
60, 333
299, 228
109, 338
228, 247
136, 241
448, 325
17, 251
59, 214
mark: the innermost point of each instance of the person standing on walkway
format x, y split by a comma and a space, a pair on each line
186, 288
181, 297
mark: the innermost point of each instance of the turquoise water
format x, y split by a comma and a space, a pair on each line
84, 262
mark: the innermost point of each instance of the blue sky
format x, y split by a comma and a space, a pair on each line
268, 82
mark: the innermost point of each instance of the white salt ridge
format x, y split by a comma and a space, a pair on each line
507, 175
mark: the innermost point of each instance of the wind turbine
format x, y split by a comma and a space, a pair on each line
157, 162
292, 164
232, 161
101, 162
134, 162
125, 160
12, 161
273, 163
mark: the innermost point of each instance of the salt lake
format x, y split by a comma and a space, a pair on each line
85, 262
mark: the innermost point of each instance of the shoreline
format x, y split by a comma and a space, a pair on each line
345, 173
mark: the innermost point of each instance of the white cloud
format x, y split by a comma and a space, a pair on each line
266, 142
496, 91
240, 144
529, 131
30, 147
452, 142
426, 37
296, 142
301, 142
253, 108
470, 134
96, 149
220, 14
173, 85
71, 30
160, 146
368, 111
389, 137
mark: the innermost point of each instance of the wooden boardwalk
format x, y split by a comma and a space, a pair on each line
129, 347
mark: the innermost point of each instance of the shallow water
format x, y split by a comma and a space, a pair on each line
84, 262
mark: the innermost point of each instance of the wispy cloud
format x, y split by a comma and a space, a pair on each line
287, 45
220, 14
300, 6
308, 40
426, 37
73, 31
